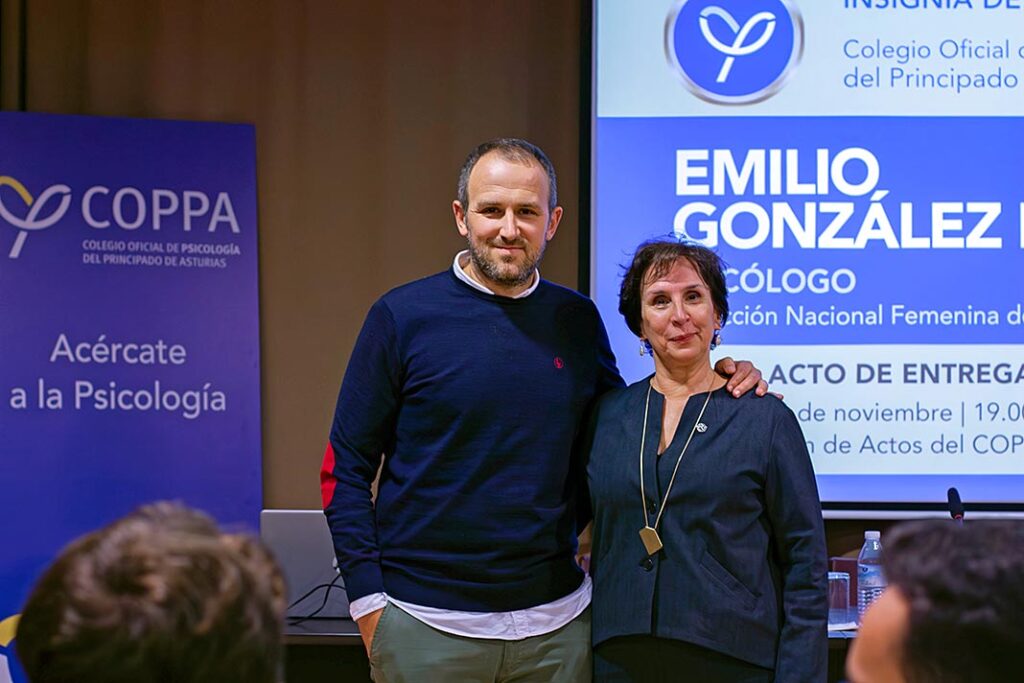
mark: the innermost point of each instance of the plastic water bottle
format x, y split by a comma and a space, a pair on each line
870, 579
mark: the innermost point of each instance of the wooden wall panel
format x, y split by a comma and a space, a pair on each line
363, 111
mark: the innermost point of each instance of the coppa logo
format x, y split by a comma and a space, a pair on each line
127, 208
35, 205
734, 51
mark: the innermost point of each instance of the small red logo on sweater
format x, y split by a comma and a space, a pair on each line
559, 363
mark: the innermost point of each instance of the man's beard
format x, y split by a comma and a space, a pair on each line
505, 274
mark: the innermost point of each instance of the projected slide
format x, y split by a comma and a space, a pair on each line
857, 164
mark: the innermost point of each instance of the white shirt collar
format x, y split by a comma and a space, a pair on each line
462, 275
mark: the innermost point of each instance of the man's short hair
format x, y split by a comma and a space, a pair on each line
159, 595
965, 589
511, 149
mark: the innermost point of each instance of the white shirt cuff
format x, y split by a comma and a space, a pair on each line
367, 604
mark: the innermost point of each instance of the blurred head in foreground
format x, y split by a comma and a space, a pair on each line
954, 609
159, 595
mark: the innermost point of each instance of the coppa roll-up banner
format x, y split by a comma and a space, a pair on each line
857, 165
129, 330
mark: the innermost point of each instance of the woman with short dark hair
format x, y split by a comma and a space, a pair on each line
708, 557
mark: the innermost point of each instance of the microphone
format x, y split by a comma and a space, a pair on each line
956, 508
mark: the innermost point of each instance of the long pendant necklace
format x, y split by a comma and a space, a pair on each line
649, 534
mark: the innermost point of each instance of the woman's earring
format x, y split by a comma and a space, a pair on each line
645, 347
716, 339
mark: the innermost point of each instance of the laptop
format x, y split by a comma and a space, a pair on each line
302, 545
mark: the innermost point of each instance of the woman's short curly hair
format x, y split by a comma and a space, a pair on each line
655, 258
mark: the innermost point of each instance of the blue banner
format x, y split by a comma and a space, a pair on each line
129, 328
836, 230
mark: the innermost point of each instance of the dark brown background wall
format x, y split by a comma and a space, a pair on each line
363, 112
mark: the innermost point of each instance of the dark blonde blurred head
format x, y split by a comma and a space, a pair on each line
159, 595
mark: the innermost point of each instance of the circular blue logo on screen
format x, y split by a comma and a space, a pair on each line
734, 51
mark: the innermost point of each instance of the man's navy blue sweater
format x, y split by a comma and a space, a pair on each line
475, 401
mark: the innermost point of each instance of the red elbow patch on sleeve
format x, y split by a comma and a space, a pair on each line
327, 479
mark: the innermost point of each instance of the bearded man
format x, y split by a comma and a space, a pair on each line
473, 384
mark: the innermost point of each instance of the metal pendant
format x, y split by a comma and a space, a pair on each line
651, 540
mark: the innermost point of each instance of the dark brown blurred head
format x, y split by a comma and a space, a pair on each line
952, 612
160, 595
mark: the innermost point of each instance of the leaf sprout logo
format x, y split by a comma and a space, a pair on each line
8, 627
32, 221
738, 48
734, 51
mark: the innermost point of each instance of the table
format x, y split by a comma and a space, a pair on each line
319, 650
